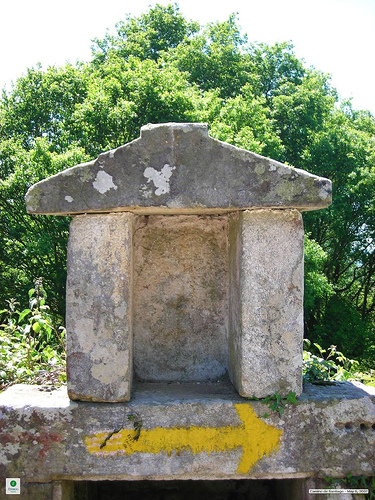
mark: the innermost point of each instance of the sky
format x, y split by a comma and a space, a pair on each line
333, 36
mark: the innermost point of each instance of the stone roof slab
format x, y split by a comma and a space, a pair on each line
178, 168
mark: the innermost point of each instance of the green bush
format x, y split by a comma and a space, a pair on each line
31, 348
330, 365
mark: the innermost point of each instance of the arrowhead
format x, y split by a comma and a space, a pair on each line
259, 438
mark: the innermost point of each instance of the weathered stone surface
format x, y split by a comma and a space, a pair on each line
187, 431
180, 297
183, 303
99, 307
178, 168
266, 303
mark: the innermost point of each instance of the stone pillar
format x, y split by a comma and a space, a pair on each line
99, 307
266, 302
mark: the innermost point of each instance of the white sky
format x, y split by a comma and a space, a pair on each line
335, 36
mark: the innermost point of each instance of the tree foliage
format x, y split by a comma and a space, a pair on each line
160, 67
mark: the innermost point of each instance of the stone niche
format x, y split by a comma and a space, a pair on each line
180, 298
185, 264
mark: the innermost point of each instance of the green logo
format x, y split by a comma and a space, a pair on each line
13, 483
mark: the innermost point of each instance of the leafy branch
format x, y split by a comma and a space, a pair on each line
29, 341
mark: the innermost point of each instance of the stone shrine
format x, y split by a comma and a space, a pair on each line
185, 259
184, 301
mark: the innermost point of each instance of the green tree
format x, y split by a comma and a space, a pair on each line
274, 67
41, 104
215, 58
300, 111
31, 246
123, 95
245, 121
344, 151
318, 289
146, 37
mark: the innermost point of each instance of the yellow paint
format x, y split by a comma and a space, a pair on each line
255, 437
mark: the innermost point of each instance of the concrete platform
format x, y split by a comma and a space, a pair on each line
186, 431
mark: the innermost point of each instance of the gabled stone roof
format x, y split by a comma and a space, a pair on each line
178, 168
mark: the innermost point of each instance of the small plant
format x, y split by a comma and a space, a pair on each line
326, 367
277, 404
137, 424
31, 348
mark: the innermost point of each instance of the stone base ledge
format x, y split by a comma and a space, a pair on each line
186, 431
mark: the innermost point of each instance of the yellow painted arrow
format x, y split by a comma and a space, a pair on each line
255, 437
